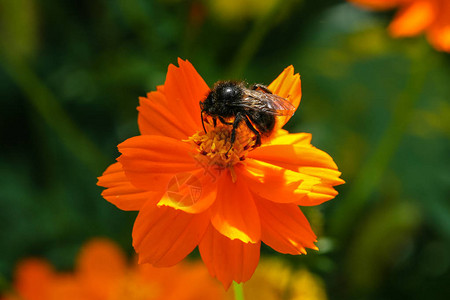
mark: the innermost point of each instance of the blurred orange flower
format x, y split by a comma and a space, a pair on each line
416, 16
102, 273
192, 190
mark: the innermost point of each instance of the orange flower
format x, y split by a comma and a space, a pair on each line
102, 273
35, 279
31, 280
192, 190
416, 16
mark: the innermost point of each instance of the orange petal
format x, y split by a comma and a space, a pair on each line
176, 283
191, 192
413, 19
439, 37
327, 176
285, 228
228, 260
324, 191
184, 89
121, 192
277, 184
291, 138
318, 194
293, 156
284, 186
157, 118
439, 32
101, 264
150, 161
164, 236
234, 213
101, 258
287, 85
33, 278
68, 287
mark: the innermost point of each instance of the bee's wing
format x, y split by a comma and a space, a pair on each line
268, 103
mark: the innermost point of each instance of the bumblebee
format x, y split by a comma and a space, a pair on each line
256, 106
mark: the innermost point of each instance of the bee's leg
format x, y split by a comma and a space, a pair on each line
256, 132
261, 87
222, 120
203, 122
215, 122
237, 120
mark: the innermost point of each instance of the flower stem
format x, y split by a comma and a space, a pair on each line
238, 291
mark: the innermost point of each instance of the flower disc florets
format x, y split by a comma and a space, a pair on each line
215, 149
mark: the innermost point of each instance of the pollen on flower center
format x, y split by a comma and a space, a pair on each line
215, 149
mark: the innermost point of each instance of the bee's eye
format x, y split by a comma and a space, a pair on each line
209, 99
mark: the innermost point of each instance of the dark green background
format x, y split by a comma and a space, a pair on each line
71, 73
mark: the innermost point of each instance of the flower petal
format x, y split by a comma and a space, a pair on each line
283, 138
285, 228
184, 89
318, 194
439, 32
173, 110
277, 184
287, 85
413, 18
121, 192
191, 192
285, 186
234, 213
150, 161
302, 158
163, 236
439, 37
33, 279
293, 156
327, 176
101, 258
228, 260
157, 118
100, 266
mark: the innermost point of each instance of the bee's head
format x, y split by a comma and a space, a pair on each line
208, 104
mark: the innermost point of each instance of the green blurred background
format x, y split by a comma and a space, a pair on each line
71, 73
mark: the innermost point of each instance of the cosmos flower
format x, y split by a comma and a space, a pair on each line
102, 273
192, 189
417, 16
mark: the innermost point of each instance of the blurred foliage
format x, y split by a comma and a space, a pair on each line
71, 72
274, 280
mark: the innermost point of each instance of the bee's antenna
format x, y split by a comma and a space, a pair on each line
203, 123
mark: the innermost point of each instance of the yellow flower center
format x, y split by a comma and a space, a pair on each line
214, 148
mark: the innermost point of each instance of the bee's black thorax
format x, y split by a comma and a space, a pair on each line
223, 99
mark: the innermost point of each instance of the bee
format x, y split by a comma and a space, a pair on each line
256, 106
